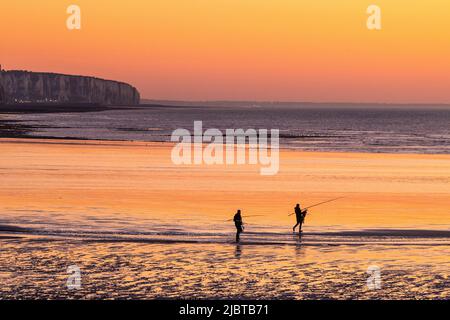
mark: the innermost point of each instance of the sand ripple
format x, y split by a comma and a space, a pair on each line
38, 269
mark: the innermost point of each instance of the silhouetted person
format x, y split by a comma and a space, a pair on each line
300, 215
239, 224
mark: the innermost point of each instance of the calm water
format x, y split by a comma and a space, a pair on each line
368, 129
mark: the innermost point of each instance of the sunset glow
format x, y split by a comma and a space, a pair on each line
289, 50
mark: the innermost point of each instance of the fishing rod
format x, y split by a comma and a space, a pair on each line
250, 216
318, 204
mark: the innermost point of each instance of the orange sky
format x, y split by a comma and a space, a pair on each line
287, 50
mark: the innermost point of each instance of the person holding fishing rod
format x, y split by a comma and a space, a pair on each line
300, 216
239, 224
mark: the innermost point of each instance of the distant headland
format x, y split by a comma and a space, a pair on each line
25, 87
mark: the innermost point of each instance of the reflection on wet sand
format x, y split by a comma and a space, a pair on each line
238, 251
33, 269
104, 207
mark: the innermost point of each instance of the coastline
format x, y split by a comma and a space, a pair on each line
17, 138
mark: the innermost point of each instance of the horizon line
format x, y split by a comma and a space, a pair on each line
446, 104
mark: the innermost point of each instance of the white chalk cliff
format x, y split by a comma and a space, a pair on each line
32, 87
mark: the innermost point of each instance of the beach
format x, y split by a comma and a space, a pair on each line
139, 226
233, 150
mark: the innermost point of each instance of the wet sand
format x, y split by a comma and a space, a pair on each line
35, 269
134, 182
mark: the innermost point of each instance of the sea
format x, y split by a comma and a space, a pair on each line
309, 127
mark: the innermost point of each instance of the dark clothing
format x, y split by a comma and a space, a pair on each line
238, 223
300, 215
